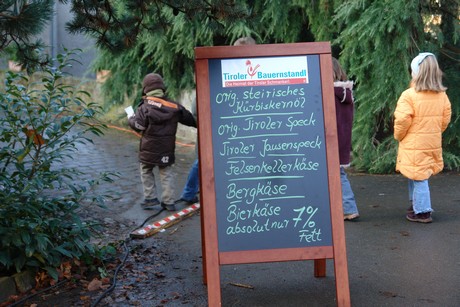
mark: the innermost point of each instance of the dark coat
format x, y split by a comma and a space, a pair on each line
344, 107
157, 118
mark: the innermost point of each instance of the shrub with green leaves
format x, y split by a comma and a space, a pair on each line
42, 120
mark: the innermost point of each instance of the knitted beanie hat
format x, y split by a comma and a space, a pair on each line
152, 82
414, 65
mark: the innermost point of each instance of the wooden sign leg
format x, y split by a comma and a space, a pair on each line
213, 278
214, 291
320, 267
203, 247
341, 276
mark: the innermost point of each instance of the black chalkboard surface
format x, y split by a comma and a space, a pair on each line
269, 155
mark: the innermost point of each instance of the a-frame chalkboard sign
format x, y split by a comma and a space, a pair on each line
269, 167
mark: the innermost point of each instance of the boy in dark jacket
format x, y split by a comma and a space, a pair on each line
156, 118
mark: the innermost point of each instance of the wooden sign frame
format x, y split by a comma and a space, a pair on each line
212, 257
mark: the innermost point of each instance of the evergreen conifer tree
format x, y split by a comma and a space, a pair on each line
378, 41
374, 40
20, 21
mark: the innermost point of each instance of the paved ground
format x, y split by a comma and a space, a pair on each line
391, 262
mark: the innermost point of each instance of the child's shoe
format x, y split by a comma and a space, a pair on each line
420, 218
410, 209
169, 207
149, 204
185, 202
351, 216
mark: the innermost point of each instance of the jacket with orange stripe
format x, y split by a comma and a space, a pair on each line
156, 119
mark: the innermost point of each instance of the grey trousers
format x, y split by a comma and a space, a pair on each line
166, 179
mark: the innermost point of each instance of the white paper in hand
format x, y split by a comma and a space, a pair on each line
130, 111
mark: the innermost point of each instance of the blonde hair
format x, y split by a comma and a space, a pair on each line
429, 76
247, 40
338, 72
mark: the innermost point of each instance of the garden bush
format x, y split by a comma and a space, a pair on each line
42, 120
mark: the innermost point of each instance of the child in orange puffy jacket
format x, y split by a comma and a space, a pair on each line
422, 114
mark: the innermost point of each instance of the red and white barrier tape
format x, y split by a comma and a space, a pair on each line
163, 223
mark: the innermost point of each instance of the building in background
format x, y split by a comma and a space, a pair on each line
56, 37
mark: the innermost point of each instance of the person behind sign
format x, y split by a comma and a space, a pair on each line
421, 116
344, 107
190, 191
246, 40
156, 118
